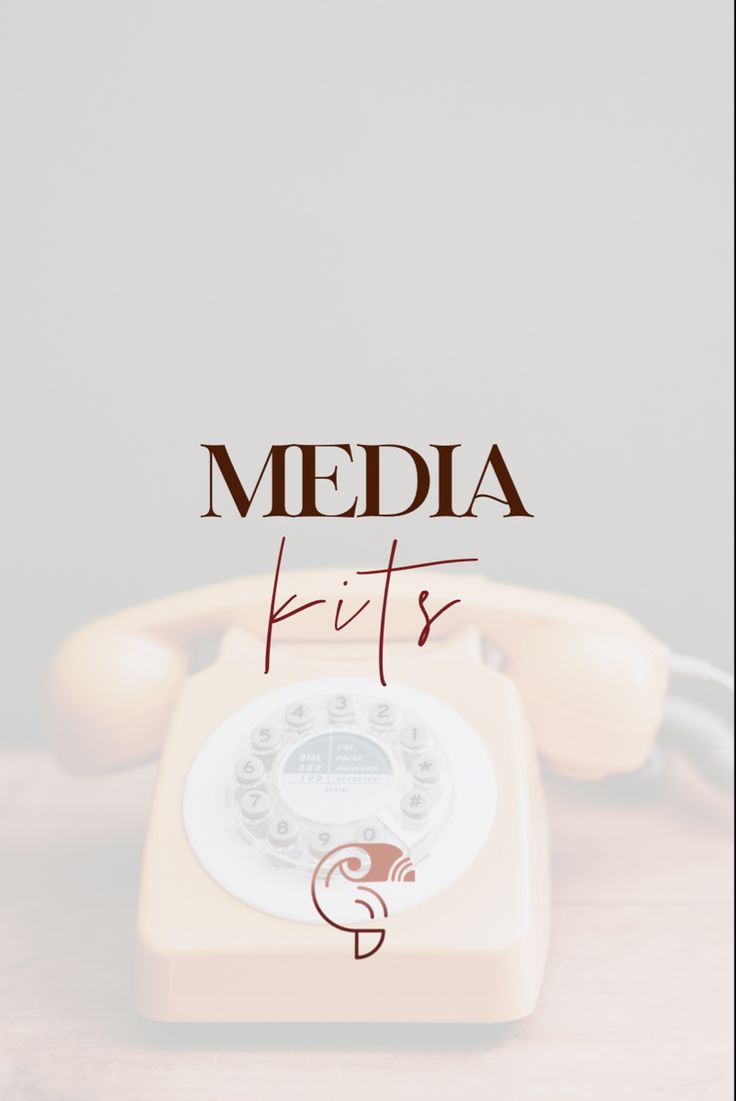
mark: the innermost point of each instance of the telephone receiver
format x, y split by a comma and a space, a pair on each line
592, 681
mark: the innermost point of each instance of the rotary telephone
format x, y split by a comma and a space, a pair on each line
296, 808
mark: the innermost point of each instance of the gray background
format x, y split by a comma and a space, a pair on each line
374, 222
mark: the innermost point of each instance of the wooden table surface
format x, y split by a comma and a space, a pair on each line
636, 1001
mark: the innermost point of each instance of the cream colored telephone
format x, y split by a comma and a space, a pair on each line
434, 777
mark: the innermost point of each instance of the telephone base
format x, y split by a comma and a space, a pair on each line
423, 988
466, 939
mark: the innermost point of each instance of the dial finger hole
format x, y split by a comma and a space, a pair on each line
426, 769
255, 806
249, 771
414, 738
321, 842
382, 715
265, 739
340, 706
415, 805
282, 832
298, 715
371, 830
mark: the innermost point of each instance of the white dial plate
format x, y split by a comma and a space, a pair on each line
292, 770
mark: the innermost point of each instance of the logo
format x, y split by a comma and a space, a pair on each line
340, 884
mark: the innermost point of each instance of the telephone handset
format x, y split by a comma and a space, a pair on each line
426, 791
591, 679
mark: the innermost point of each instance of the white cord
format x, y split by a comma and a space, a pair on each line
683, 666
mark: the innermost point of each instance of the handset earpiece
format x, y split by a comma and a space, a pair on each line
594, 695
110, 696
114, 684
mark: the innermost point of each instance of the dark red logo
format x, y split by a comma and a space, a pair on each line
340, 883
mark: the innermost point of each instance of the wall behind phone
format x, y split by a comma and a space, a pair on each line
327, 222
